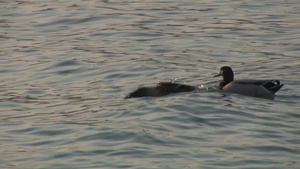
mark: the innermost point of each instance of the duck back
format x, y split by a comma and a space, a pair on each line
161, 89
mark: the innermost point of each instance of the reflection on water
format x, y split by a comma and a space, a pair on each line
66, 66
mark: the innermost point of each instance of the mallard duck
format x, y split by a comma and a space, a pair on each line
251, 87
161, 89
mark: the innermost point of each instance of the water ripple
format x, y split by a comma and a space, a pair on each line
67, 65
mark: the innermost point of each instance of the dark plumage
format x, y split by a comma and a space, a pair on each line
161, 89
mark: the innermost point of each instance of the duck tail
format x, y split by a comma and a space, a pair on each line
273, 86
274, 89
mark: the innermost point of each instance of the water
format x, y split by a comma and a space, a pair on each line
66, 66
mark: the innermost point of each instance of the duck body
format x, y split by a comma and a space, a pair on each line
161, 89
259, 88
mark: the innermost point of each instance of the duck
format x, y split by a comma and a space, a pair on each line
160, 89
258, 88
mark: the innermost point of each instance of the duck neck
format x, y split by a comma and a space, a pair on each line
227, 78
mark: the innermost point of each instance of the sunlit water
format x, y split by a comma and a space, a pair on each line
66, 66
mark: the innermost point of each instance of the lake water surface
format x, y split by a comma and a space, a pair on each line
67, 65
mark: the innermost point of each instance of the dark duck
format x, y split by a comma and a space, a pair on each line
161, 89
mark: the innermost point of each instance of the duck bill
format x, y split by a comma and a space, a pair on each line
217, 75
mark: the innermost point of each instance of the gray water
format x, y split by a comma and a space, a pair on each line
66, 66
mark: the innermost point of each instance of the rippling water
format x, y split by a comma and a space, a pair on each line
66, 66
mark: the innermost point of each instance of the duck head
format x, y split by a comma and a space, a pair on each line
227, 74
